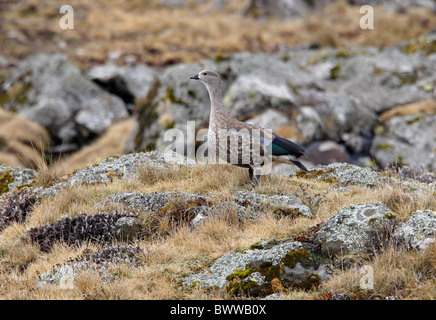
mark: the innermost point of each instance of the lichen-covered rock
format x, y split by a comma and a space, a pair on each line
216, 275
270, 119
419, 231
128, 82
54, 93
12, 178
343, 174
283, 204
280, 8
123, 167
265, 270
407, 140
355, 229
249, 94
148, 202
198, 207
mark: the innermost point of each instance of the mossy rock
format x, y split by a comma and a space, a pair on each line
318, 175
300, 255
286, 212
5, 179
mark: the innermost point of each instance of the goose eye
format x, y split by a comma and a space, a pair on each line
204, 73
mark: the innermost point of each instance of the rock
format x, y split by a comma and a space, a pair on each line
52, 91
392, 78
251, 94
296, 8
216, 274
326, 152
284, 204
419, 231
309, 124
355, 229
280, 8
122, 167
127, 82
342, 173
12, 178
407, 140
194, 209
427, 107
262, 272
394, 5
270, 119
146, 202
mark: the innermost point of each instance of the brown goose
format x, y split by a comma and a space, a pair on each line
241, 143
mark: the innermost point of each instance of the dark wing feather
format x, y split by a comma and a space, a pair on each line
283, 147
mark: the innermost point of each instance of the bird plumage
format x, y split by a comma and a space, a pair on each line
241, 143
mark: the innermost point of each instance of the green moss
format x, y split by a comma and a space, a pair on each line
419, 117
389, 215
379, 129
192, 94
17, 94
147, 114
286, 212
240, 274
311, 280
170, 97
268, 270
292, 258
428, 87
242, 288
5, 179
422, 45
318, 175
377, 71
27, 185
335, 72
407, 78
221, 57
384, 146
343, 54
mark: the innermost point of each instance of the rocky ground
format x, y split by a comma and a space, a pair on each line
118, 233
87, 211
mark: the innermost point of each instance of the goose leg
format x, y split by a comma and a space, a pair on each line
256, 179
250, 175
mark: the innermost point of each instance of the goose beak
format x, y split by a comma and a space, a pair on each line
195, 77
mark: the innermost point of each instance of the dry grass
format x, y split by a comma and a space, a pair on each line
136, 28
397, 273
21, 140
181, 251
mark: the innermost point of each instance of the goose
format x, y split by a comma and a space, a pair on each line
240, 143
